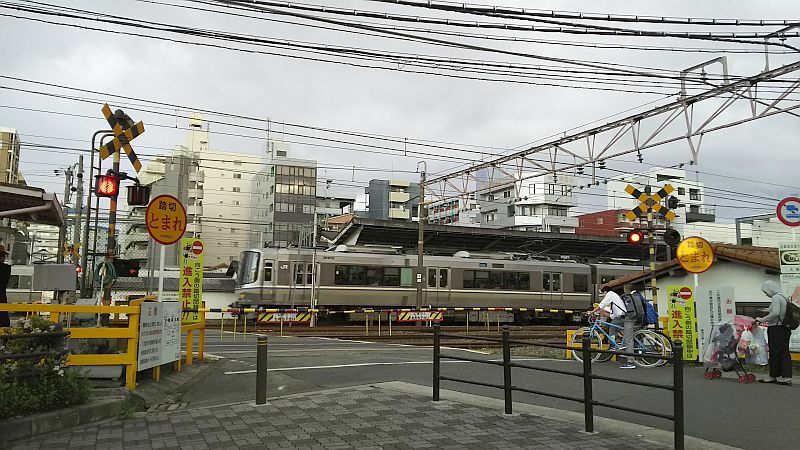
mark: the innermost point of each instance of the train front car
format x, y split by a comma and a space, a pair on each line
249, 279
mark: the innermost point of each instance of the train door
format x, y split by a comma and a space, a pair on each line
438, 286
301, 284
268, 276
552, 287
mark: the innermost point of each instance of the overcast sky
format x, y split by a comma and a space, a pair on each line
487, 116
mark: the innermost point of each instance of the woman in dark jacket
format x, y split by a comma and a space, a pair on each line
780, 360
5, 274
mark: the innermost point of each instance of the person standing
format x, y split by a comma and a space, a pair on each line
613, 304
780, 360
5, 275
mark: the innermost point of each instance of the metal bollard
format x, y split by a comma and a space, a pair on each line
261, 371
677, 365
588, 400
436, 359
507, 369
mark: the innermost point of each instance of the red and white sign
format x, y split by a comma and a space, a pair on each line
197, 247
789, 211
685, 293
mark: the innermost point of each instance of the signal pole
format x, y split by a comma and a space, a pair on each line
62, 233
76, 239
111, 246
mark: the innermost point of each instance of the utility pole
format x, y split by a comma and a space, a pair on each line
62, 233
314, 269
76, 239
421, 234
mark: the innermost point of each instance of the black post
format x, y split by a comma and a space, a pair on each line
588, 400
507, 368
677, 364
436, 349
261, 371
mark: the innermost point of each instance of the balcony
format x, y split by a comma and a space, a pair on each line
197, 177
397, 213
196, 210
398, 197
195, 193
697, 214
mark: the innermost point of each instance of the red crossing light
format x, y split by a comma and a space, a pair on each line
107, 186
78, 268
635, 237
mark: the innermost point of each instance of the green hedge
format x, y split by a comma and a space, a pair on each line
42, 383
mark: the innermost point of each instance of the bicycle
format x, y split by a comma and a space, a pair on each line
645, 343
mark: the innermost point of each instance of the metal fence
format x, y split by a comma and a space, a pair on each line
588, 400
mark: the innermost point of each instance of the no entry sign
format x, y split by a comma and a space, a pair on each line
789, 211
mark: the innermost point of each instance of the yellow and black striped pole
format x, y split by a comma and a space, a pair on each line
652, 242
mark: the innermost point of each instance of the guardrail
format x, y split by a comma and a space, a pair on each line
130, 333
677, 417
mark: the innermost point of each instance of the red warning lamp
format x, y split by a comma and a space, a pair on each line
78, 268
635, 237
107, 186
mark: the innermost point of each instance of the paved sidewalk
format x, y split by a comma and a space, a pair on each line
359, 417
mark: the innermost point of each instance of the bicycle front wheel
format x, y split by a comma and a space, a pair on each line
595, 341
649, 347
666, 341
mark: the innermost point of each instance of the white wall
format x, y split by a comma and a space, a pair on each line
745, 279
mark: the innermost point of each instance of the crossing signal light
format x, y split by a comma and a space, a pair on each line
672, 237
673, 203
635, 237
78, 268
107, 186
127, 267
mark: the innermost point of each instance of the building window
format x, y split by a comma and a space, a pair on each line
550, 189
600, 221
511, 211
237, 175
694, 194
237, 163
506, 194
237, 189
681, 191
531, 189
490, 198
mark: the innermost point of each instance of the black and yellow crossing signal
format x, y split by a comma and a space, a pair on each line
124, 132
650, 202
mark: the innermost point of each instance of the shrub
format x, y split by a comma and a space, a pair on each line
40, 383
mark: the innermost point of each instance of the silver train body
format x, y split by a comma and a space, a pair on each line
283, 278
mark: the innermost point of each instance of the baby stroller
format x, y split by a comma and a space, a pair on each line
731, 344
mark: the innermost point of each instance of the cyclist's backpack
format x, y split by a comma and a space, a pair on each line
634, 306
650, 314
791, 320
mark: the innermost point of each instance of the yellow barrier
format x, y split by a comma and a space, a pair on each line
189, 329
130, 333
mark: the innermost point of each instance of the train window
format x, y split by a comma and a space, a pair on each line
580, 283
391, 276
374, 276
248, 268
443, 278
406, 276
268, 271
495, 280
431, 277
298, 273
469, 279
524, 281
357, 276
510, 280
481, 279
310, 274
341, 275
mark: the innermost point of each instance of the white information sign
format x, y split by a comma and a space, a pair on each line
714, 305
171, 347
151, 329
159, 334
789, 256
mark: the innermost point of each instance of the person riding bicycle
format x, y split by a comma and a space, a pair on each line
613, 306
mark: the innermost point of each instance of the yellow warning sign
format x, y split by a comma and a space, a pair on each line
284, 317
419, 316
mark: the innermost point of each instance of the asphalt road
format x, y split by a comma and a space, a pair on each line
747, 416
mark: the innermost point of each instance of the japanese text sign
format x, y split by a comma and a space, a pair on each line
682, 317
695, 255
159, 334
166, 219
190, 291
714, 305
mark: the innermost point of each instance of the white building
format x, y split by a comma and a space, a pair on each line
456, 211
539, 203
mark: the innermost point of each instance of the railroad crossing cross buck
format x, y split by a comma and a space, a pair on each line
649, 202
124, 132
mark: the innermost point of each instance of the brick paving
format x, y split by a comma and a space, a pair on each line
361, 417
